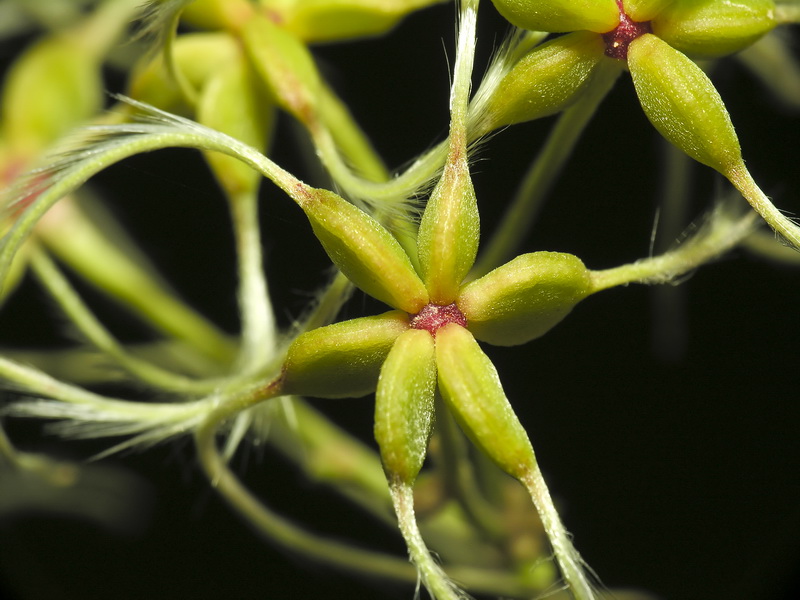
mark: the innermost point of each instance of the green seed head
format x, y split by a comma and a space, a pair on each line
54, 87
285, 65
682, 103
197, 56
233, 101
471, 389
364, 250
330, 20
342, 360
560, 15
449, 232
714, 27
524, 298
404, 404
544, 81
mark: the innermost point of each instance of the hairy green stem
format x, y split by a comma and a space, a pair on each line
258, 329
432, 575
740, 177
569, 561
719, 235
281, 531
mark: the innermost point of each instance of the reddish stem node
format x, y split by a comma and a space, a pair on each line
618, 39
434, 316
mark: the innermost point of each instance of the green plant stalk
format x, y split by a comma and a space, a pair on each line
569, 560
8, 453
102, 30
279, 530
431, 574
328, 304
543, 171
122, 277
767, 245
722, 234
80, 315
40, 383
258, 329
740, 177
351, 140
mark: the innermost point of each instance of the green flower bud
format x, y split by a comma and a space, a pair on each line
449, 232
342, 360
645, 10
404, 404
560, 15
682, 103
364, 250
233, 101
330, 20
471, 388
544, 81
217, 14
285, 65
524, 298
197, 56
714, 27
53, 87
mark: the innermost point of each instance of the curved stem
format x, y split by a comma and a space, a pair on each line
126, 276
432, 575
720, 234
544, 170
257, 320
740, 177
569, 561
281, 531
72, 305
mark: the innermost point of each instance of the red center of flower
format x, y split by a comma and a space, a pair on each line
434, 316
618, 39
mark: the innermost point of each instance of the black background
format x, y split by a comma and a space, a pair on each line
679, 475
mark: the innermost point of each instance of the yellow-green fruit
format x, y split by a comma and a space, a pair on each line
54, 87
544, 81
342, 360
714, 27
233, 101
449, 232
285, 65
645, 10
364, 250
217, 14
197, 56
471, 388
330, 20
682, 103
524, 298
599, 16
404, 404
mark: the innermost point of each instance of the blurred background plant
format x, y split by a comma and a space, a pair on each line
664, 417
